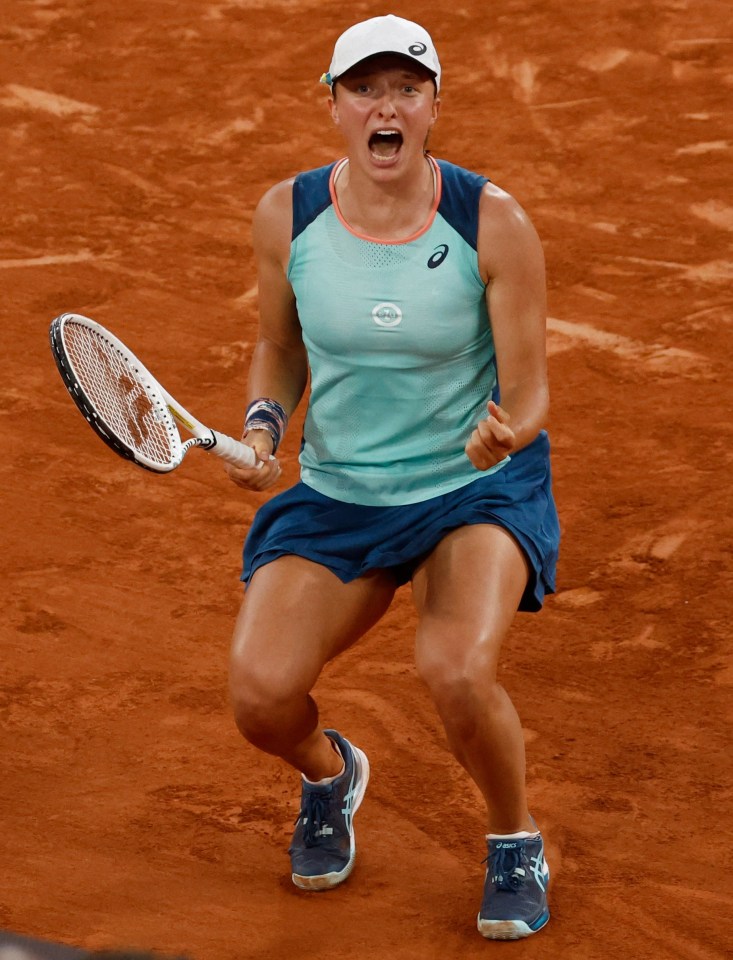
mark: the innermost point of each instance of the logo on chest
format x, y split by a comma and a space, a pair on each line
387, 315
439, 255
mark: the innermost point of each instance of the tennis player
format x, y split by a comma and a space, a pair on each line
410, 290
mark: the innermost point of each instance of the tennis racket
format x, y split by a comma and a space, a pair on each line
125, 405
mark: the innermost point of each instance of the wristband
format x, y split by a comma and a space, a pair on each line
267, 414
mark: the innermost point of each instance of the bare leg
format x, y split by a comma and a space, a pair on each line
466, 594
295, 617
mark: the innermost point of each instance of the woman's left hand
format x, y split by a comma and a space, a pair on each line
492, 440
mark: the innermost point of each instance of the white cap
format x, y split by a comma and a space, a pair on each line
388, 34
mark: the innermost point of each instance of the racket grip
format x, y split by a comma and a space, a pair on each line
234, 452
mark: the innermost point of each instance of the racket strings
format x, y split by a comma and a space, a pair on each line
120, 398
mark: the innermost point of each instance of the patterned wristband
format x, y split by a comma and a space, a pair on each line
267, 414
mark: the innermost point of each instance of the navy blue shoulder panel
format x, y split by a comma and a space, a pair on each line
311, 197
459, 201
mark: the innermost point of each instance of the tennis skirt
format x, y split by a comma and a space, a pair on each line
352, 539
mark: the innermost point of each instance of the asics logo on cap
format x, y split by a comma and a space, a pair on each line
383, 35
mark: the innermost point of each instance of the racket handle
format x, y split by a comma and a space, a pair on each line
234, 452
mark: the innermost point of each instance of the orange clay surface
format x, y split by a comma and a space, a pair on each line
137, 137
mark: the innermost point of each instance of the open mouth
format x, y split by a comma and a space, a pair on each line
385, 144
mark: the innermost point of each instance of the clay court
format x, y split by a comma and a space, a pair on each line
136, 139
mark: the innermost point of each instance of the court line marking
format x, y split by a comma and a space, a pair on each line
714, 211
714, 271
722, 308
147, 186
707, 146
84, 256
654, 355
45, 101
648, 261
560, 104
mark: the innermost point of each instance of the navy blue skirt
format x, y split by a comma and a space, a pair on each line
351, 539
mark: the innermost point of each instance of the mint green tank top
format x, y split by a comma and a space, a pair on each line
399, 345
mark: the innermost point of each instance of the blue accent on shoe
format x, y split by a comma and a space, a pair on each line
323, 848
515, 890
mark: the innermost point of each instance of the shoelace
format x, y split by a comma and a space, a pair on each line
314, 814
505, 865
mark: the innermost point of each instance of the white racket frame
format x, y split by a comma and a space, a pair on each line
167, 410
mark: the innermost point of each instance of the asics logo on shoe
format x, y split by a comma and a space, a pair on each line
506, 846
348, 807
537, 870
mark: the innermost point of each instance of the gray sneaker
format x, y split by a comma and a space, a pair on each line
323, 847
515, 890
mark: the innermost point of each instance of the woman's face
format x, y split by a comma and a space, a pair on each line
385, 107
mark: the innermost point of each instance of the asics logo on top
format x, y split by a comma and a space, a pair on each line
387, 315
417, 49
438, 256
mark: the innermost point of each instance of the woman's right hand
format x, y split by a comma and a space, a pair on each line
266, 473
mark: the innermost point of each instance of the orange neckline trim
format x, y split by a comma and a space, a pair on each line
363, 236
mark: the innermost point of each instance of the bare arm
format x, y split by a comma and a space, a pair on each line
512, 263
279, 367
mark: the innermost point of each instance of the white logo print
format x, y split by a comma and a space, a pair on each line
387, 315
348, 807
538, 870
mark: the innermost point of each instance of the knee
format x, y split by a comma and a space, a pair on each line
259, 695
461, 679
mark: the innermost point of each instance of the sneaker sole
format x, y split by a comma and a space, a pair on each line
510, 929
326, 881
